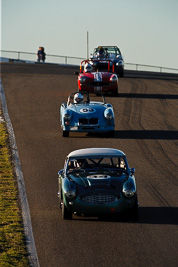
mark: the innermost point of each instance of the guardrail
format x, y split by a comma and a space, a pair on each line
28, 56
57, 59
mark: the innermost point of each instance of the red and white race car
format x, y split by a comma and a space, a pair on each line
92, 78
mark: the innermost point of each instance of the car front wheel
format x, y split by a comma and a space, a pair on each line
65, 134
134, 212
66, 214
115, 93
60, 199
121, 74
111, 134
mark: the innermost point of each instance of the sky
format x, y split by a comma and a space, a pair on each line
146, 31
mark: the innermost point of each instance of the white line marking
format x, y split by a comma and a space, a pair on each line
30, 243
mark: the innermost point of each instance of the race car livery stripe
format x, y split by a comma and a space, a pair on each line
98, 77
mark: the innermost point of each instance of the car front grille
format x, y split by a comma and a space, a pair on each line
85, 121
99, 84
99, 198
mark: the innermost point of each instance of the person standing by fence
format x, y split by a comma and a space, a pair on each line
41, 55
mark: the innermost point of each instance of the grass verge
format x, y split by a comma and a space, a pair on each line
12, 240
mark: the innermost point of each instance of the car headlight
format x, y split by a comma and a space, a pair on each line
119, 63
82, 79
128, 192
108, 114
67, 116
113, 78
70, 193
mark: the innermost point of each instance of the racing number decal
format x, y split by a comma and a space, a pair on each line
98, 77
87, 110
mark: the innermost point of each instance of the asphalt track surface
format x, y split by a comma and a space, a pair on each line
146, 130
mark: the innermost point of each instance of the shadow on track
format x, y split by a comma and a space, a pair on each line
146, 134
159, 215
132, 134
148, 96
147, 215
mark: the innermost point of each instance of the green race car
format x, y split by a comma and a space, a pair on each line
97, 182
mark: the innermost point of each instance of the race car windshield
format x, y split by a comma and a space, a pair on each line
97, 163
110, 50
85, 99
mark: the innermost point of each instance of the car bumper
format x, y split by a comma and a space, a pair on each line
89, 128
78, 207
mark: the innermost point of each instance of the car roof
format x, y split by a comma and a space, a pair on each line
107, 46
96, 152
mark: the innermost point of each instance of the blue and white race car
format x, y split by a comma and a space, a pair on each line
80, 114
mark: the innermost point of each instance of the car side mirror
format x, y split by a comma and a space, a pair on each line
132, 170
61, 172
64, 105
76, 72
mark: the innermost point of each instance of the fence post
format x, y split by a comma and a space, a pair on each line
18, 55
65, 60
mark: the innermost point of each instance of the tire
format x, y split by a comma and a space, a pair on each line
134, 213
60, 200
121, 74
115, 93
65, 133
66, 214
111, 134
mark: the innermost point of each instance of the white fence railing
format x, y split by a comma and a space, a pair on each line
57, 59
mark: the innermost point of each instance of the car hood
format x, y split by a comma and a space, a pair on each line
105, 180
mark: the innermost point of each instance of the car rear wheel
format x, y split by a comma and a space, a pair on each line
65, 134
66, 214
